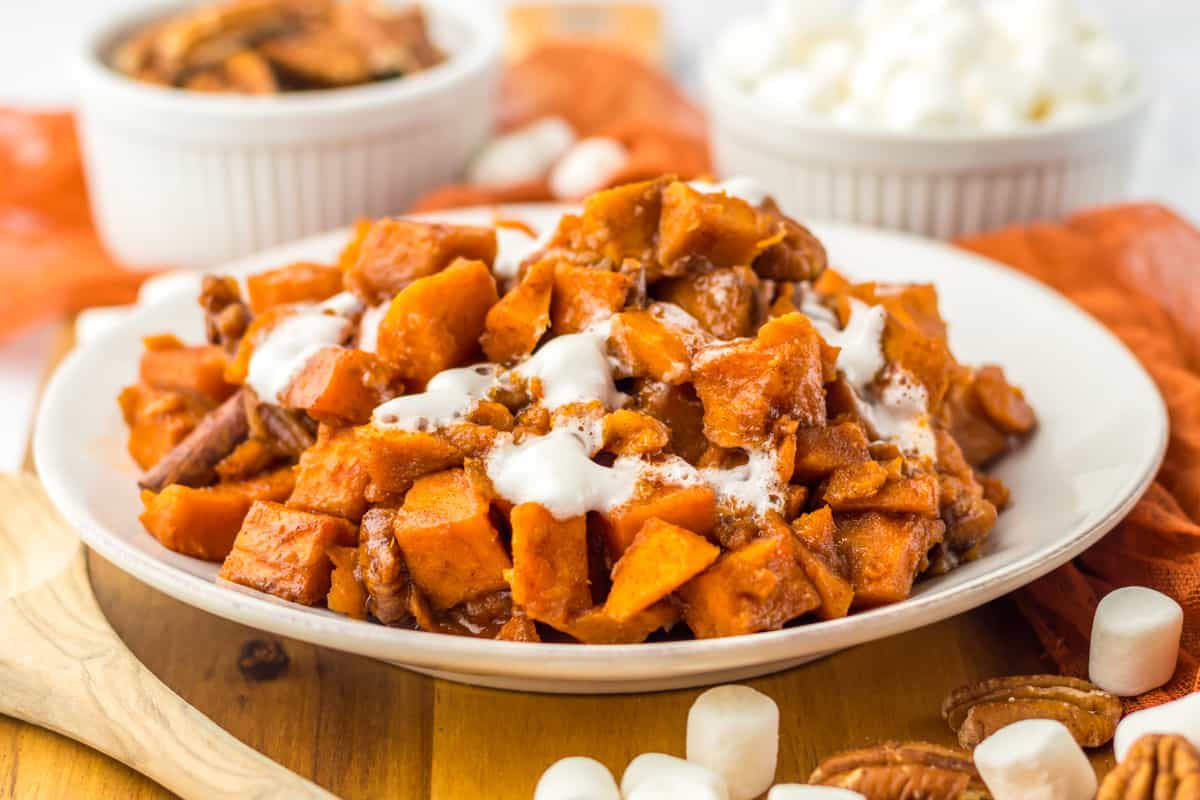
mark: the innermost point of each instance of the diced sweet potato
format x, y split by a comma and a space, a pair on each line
747, 385
516, 323
595, 626
621, 223
395, 458
346, 595
249, 458
630, 433
648, 347
349, 255
333, 476
661, 558
519, 628
452, 549
680, 410
282, 551
381, 566
963, 416
395, 252
339, 384
722, 301
302, 282
1003, 403
798, 256
884, 553
158, 420
697, 228
966, 509
691, 507
436, 321
758, 587
191, 370
823, 562
854, 482
549, 577
820, 451
916, 495
585, 295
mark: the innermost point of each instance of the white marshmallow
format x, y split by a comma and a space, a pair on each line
1135, 641
672, 789
657, 770
796, 18
1035, 759
734, 731
797, 791
750, 48
1180, 717
797, 89
524, 154
576, 778
91, 322
921, 99
166, 284
586, 167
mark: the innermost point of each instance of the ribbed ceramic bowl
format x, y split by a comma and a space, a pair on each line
191, 179
931, 183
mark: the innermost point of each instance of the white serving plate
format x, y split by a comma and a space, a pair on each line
1102, 435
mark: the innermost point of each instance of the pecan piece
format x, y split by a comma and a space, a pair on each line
1157, 767
904, 771
976, 711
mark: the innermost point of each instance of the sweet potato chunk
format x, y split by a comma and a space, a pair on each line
395, 252
748, 384
452, 549
339, 384
248, 458
595, 626
661, 558
631, 433
715, 228
549, 577
884, 553
621, 223
823, 562
436, 321
395, 458
916, 495
302, 282
282, 551
584, 295
1003, 404
519, 628
198, 371
346, 595
854, 482
516, 323
381, 565
820, 451
758, 587
333, 476
722, 301
158, 420
648, 347
680, 410
691, 507
799, 256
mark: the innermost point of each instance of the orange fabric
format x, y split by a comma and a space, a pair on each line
601, 90
50, 259
1136, 268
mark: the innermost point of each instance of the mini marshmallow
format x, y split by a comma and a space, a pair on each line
576, 778
750, 49
1181, 717
166, 284
920, 99
672, 789
658, 771
797, 89
524, 154
91, 322
798, 791
587, 167
1135, 641
734, 731
1035, 759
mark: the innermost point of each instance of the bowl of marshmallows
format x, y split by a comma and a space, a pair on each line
940, 117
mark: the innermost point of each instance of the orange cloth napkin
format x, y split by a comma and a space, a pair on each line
1136, 268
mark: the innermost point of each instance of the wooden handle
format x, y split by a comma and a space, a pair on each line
63, 667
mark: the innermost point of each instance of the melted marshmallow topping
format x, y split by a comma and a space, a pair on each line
448, 397
573, 369
754, 485
288, 346
747, 189
368, 327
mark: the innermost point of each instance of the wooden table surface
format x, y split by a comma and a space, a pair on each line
364, 729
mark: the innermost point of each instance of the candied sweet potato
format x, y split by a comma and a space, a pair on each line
661, 558
395, 458
1003, 404
585, 295
249, 458
302, 282
884, 553
333, 477
647, 346
346, 594
691, 507
680, 410
758, 587
382, 568
197, 370
798, 256
620, 223
630, 433
158, 420
915, 495
820, 451
339, 384
435, 322
516, 323
519, 628
549, 577
723, 300
854, 482
698, 228
596, 626
452, 549
282, 551
395, 252
823, 562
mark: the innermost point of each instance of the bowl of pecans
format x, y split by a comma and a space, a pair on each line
213, 131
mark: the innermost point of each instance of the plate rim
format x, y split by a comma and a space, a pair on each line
554, 661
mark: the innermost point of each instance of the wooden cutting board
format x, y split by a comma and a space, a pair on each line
363, 729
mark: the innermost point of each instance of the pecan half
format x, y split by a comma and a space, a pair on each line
903, 771
1155, 768
976, 711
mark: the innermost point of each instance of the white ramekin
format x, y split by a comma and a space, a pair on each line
935, 184
190, 179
